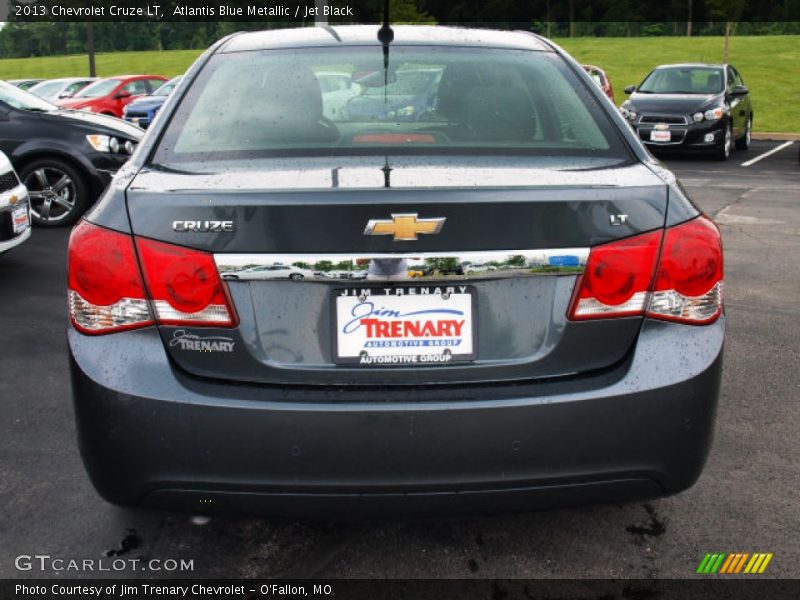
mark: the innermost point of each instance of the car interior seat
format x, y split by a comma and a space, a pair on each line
500, 114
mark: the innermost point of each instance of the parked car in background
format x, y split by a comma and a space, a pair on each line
109, 96
142, 110
472, 269
691, 107
599, 76
54, 90
65, 158
499, 391
265, 272
24, 84
15, 214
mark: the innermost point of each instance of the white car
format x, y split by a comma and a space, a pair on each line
54, 90
479, 269
15, 211
270, 272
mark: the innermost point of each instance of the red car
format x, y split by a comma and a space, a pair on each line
109, 96
601, 79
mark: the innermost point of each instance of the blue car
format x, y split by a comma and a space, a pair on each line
143, 110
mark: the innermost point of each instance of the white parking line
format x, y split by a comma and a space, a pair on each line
766, 154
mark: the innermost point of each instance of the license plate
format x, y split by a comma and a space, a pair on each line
19, 218
404, 326
660, 136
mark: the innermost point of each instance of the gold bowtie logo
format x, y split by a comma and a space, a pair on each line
404, 227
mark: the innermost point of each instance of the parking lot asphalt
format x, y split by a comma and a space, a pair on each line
745, 501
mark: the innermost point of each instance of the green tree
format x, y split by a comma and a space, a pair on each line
731, 12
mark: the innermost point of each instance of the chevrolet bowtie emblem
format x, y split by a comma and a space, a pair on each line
404, 227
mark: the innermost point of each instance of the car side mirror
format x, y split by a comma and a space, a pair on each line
630, 89
66, 94
740, 90
122, 95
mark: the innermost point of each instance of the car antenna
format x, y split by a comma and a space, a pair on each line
385, 37
387, 173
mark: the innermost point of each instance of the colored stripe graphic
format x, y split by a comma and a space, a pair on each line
764, 564
703, 563
734, 563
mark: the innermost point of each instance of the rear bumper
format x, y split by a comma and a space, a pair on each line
153, 436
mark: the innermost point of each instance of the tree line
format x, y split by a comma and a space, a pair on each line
554, 18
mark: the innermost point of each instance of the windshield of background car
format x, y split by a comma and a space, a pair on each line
167, 88
47, 88
13, 96
435, 100
98, 89
683, 80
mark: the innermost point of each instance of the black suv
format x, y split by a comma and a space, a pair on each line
65, 157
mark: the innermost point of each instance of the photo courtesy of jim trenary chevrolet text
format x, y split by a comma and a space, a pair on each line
399, 299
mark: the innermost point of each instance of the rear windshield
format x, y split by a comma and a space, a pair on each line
344, 101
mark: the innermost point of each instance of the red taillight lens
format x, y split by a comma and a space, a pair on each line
687, 286
617, 278
184, 285
105, 289
689, 281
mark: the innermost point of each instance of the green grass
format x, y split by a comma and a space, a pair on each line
168, 63
768, 64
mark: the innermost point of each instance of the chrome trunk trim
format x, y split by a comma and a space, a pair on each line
412, 267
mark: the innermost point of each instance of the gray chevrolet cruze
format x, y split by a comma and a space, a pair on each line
350, 274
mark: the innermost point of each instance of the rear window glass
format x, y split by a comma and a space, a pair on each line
329, 101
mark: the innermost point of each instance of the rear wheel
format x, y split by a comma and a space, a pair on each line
57, 191
726, 146
743, 143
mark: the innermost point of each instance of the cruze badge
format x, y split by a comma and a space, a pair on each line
202, 226
404, 227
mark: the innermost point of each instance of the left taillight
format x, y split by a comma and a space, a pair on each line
184, 286
175, 286
105, 288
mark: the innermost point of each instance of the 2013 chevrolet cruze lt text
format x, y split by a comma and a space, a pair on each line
489, 299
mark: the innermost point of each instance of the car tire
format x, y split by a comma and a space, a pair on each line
726, 147
743, 143
58, 192
296, 276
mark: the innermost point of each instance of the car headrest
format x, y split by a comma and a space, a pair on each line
296, 92
500, 113
457, 81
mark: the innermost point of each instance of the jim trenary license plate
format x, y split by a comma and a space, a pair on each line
404, 325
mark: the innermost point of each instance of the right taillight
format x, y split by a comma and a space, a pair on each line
676, 276
689, 280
